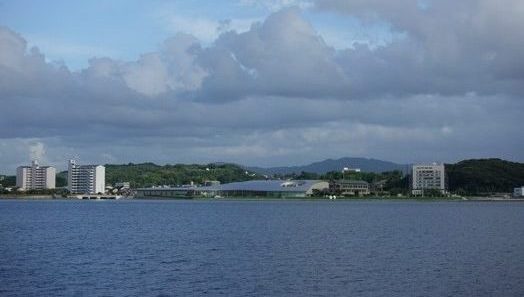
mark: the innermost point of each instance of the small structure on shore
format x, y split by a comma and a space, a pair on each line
518, 192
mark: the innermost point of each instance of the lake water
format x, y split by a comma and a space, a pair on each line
261, 248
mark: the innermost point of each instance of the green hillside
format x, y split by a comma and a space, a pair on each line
149, 174
8, 180
479, 176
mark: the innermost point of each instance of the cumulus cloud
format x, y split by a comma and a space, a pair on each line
279, 94
284, 56
172, 68
447, 48
450, 47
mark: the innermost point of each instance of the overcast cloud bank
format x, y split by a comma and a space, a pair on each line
450, 88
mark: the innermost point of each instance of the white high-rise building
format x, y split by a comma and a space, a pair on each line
86, 179
428, 177
35, 177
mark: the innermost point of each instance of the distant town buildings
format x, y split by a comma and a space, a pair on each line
518, 192
86, 179
35, 177
425, 180
428, 177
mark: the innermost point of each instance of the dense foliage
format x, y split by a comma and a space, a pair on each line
8, 181
61, 179
484, 176
149, 174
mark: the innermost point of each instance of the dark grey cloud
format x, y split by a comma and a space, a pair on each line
451, 87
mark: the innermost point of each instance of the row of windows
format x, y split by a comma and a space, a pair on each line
352, 186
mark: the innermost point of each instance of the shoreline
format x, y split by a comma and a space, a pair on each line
30, 197
429, 199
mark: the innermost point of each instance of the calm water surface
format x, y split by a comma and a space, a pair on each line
261, 248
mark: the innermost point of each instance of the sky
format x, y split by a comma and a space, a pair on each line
266, 83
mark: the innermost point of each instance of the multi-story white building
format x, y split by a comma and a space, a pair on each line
35, 177
428, 177
86, 179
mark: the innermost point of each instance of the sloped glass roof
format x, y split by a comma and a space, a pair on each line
265, 186
254, 186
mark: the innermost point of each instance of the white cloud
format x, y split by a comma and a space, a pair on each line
171, 69
148, 76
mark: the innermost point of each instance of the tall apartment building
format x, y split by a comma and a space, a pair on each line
86, 179
35, 177
428, 177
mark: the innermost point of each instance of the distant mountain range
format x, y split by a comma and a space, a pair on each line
365, 164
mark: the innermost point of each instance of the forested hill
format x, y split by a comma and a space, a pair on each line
149, 174
484, 176
323, 167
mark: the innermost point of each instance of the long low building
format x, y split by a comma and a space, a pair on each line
254, 188
347, 187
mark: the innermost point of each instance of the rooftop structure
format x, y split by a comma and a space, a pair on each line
86, 179
254, 188
35, 177
347, 169
428, 177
